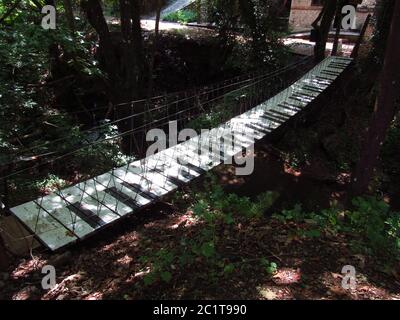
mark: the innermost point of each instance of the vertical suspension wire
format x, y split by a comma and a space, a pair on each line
73, 216
131, 135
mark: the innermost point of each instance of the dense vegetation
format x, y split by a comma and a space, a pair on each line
65, 95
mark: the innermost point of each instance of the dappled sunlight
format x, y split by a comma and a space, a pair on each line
186, 220
149, 25
287, 276
137, 276
125, 260
27, 267
291, 171
274, 292
132, 240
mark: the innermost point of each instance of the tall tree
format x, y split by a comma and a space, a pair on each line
322, 26
385, 109
123, 61
260, 18
154, 48
338, 25
69, 13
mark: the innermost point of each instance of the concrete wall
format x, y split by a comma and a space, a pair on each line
303, 13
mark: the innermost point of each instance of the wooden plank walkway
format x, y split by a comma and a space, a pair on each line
77, 212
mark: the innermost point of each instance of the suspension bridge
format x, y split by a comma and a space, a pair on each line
75, 213
176, 5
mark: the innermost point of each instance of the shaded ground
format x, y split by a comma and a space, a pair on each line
109, 266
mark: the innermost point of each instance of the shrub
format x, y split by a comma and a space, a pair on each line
370, 222
214, 209
181, 16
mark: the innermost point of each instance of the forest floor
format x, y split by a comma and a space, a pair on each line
111, 266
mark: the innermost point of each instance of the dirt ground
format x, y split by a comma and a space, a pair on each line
108, 266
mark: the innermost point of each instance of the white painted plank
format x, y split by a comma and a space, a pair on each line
110, 181
57, 207
125, 174
97, 190
90, 201
47, 229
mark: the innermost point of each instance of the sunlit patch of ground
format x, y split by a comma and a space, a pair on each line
149, 25
111, 267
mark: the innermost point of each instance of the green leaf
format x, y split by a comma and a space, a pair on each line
207, 249
264, 262
229, 268
229, 219
272, 268
313, 234
166, 276
149, 279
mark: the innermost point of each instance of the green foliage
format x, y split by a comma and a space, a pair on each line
214, 210
229, 268
258, 20
50, 184
161, 263
100, 157
26, 187
217, 203
223, 111
391, 158
269, 267
181, 16
30, 117
26, 64
374, 228
379, 227
213, 118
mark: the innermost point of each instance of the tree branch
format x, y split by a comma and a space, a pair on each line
10, 11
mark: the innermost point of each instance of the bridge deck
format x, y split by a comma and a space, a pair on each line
177, 5
74, 213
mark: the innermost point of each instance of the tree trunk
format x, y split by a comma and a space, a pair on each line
385, 108
322, 30
69, 12
140, 60
154, 49
94, 13
338, 26
247, 9
124, 62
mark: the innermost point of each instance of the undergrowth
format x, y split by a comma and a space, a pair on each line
214, 210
